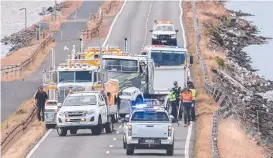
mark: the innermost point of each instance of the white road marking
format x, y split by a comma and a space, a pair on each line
38, 144
111, 146
187, 143
117, 132
65, 48
114, 138
120, 126
113, 23
146, 24
107, 152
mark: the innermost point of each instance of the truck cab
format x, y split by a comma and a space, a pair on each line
149, 128
85, 110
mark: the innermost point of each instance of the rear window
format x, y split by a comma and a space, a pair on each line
149, 116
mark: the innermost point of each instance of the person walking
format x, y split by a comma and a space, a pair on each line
41, 98
172, 99
186, 99
177, 91
193, 92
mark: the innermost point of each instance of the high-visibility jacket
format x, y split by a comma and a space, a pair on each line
193, 92
186, 97
172, 96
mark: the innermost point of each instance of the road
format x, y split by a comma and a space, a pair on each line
135, 19
11, 91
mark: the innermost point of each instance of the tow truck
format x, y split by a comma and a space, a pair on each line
85, 110
164, 33
148, 127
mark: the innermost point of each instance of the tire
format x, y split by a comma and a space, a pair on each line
170, 151
154, 42
98, 128
73, 131
129, 151
109, 126
61, 131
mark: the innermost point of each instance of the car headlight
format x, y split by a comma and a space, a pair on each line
154, 36
90, 112
61, 113
173, 36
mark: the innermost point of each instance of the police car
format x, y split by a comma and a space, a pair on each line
148, 127
164, 32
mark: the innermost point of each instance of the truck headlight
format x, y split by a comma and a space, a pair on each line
90, 112
173, 36
154, 36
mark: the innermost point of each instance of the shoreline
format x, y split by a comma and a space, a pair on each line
231, 36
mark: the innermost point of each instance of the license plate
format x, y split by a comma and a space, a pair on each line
149, 141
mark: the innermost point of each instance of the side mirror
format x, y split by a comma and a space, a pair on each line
176, 30
191, 59
172, 118
151, 30
59, 105
126, 119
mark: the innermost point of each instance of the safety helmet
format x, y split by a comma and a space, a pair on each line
175, 83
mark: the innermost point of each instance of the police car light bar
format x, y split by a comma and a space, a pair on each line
163, 22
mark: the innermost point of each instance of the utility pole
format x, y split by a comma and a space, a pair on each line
55, 10
25, 16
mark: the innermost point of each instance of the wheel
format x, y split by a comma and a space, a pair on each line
154, 42
170, 151
98, 128
109, 126
61, 131
73, 131
129, 151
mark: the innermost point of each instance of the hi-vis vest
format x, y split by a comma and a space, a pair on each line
172, 96
193, 92
186, 97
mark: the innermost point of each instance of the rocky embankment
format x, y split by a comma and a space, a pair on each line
23, 38
254, 110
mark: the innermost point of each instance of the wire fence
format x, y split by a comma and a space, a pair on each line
230, 103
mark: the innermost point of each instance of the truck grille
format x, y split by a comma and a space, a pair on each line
76, 114
164, 36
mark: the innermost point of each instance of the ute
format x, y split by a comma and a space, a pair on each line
164, 33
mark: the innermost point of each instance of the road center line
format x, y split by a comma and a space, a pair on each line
146, 24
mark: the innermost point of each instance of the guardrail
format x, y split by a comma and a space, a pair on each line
17, 129
221, 97
14, 70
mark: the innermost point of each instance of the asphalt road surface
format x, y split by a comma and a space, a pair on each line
14, 93
134, 21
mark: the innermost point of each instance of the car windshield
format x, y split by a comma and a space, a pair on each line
149, 116
80, 100
164, 28
75, 76
168, 58
120, 65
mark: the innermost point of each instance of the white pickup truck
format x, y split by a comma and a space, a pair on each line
149, 128
85, 110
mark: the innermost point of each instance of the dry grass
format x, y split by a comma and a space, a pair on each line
21, 114
22, 145
234, 143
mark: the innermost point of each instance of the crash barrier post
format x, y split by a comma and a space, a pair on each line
15, 70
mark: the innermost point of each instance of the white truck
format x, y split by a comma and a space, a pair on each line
148, 128
85, 110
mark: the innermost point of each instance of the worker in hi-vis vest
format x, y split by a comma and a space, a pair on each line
186, 99
172, 99
193, 92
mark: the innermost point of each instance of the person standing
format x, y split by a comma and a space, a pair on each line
41, 98
172, 99
177, 91
186, 99
193, 92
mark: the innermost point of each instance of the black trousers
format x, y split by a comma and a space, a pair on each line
187, 112
39, 110
174, 109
